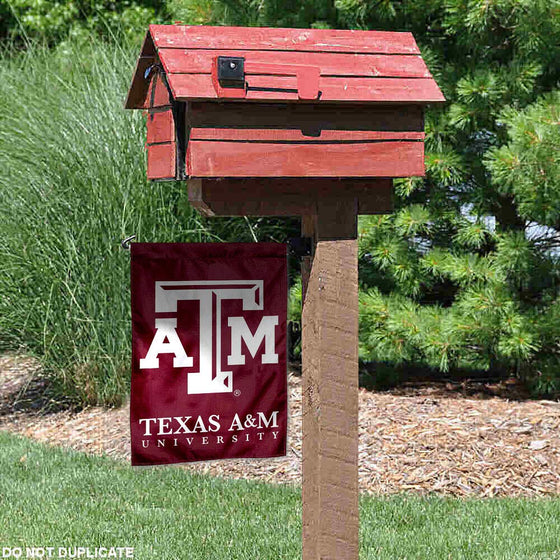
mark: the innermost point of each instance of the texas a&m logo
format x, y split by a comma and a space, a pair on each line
210, 295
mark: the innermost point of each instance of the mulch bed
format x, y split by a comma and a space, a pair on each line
444, 438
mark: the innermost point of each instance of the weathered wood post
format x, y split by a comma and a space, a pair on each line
296, 122
330, 386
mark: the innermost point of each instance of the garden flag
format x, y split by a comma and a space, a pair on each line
209, 373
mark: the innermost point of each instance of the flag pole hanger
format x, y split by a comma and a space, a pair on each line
125, 243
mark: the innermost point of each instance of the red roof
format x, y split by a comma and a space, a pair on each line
354, 66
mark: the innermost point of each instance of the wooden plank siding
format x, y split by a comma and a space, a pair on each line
290, 135
282, 39
158, 93
139, 88
160, 127
161, 161
310, 119
354, 66
161, 146
182, 61
331, 89
305, 159
283, 140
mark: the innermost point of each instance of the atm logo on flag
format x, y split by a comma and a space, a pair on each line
210, 294
209, 351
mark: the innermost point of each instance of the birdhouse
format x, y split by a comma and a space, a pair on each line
245, 103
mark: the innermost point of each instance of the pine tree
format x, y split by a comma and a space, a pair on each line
465, 273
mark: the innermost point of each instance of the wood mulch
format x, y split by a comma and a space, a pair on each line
440, 438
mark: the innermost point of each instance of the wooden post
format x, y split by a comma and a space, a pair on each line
330, 383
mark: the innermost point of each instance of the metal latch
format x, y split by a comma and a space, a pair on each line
230, 76
231, 71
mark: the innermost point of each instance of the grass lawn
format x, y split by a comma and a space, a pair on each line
51, 497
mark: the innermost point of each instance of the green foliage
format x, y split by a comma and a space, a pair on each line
294, 301
487, 321
465, 274
73, 184
466, 271
276, 13
212, 12
53, 21
294, 319
528, 166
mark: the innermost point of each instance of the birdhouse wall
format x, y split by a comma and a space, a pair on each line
301, 140
161, 145
160, 131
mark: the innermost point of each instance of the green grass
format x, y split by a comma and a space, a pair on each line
72, 185
70, 499
51, 497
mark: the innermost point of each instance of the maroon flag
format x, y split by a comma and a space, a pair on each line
209, 377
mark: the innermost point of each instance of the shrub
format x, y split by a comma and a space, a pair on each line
73, 184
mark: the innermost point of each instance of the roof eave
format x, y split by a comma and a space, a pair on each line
140, 84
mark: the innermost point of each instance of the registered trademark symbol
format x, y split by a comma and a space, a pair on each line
237, 392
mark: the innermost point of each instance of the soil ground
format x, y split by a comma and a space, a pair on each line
466, 439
